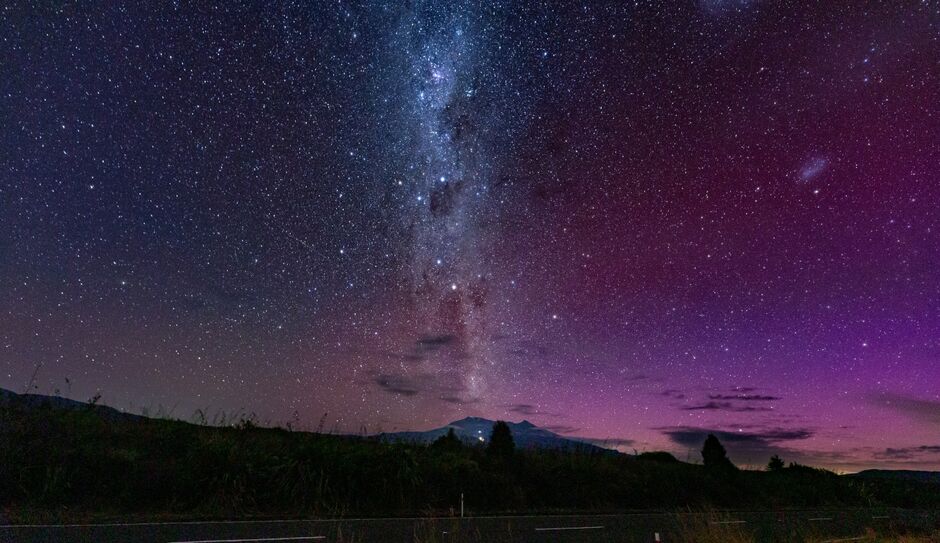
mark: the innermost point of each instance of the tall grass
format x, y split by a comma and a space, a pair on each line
708, 528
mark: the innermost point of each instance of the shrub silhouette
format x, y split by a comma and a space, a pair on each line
657, 456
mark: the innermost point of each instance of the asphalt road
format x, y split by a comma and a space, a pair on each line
632, 527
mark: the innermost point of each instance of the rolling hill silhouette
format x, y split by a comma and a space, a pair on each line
40, 401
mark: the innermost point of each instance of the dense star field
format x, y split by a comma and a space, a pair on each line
633, 222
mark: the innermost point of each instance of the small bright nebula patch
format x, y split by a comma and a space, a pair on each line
813, 168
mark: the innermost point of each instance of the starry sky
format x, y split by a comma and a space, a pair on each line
632, 222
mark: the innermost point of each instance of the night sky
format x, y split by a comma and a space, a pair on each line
631, 222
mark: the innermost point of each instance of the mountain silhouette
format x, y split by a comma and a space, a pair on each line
476, 430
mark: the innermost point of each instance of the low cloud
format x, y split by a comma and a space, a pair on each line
400, 384
444, 388
529, 410
607, 442
750, 447
725, 406
436, 341
456, 399
744, 397
922, 410
752, 441
735, 400
673, 393
754, 444
921, 452
423, 348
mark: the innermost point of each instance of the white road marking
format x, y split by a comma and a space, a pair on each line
729, 522
302, 538
561, 528
819, 519
846, 539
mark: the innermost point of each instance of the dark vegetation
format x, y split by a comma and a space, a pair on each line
88, 462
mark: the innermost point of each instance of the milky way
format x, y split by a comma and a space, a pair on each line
634, 223
450, 173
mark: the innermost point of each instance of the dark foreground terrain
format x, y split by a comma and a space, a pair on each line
86, 463
728, 527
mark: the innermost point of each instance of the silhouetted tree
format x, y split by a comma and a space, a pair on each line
775, 464
501, 444
447, 442
714, 454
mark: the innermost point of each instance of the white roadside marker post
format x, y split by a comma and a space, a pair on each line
656, 537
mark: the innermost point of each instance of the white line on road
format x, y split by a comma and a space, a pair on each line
729, 522
819, 519
569, 528
301, 538
846, 539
